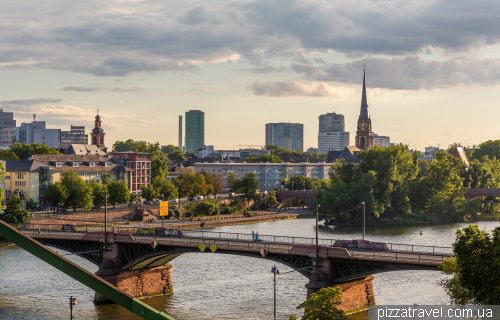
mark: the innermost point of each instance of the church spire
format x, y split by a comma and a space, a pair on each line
364, 104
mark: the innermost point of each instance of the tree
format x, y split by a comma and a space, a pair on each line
31, 204
263, 158
177, 155
271, 201
99, 193
7, 154
232, 181
214, 183
323, 305
248, 185
159, 166
55, 194
106, 177
458, 295
23, 150
79, 193
149, 192
490, 148
170, 148
13, 212
168, 190
477, 257
118, 192
191, 184
121, 146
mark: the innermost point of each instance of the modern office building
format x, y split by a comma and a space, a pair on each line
195, 130
383, 141
289, 136
7, 129
76, 135
331, 133
269, 175
37, 132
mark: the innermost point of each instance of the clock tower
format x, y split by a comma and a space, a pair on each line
364, 133
97, 134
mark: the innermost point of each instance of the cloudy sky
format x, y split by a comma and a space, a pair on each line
433, 66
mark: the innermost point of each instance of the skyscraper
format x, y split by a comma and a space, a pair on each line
7, 129
195, 130
289, 136
331, 134
36, 132
364, 133
180, 132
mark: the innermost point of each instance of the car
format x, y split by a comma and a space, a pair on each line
174, 200
200, 197
147, 202
156, 202
209, 197
190, 199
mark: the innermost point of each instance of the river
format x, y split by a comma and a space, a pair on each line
218, 286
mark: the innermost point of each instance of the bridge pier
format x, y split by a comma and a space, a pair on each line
356, 293
138, 283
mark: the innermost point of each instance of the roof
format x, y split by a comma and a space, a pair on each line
125, 152
460, 154
333, 155
363, 114
27, 164
83, 149
84, 162
348, 154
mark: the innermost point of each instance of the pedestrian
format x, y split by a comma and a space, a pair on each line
253, 235
257, 236
39, 231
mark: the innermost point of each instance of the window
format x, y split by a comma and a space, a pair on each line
91, 164
20, 184
20, 175
107, 164
75, 164
7, 177
58, 164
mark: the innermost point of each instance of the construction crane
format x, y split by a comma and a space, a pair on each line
251, 145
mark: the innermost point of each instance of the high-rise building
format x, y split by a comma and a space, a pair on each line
7, 129
289, 136
364, 133
180, 132
37, 132
97, 135
195, 130
76, 135
331, 134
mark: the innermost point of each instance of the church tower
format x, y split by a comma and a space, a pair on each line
97, 135
364, 133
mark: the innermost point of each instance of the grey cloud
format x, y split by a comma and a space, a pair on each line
134, 89
265, 69
293, 88
194, 16
29, 102
301, 68
83, 89
412, 73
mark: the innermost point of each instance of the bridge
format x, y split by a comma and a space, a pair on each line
286, 197
136, 267
475, 193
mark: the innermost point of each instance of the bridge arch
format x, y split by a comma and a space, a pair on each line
475, 193
285, 197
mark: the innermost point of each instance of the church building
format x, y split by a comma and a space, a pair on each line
364, 132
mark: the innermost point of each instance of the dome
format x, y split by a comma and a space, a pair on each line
98, 118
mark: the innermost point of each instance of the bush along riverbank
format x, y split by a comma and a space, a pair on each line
399, 189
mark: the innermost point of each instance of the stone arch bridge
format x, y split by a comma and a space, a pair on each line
475, 193
286, 197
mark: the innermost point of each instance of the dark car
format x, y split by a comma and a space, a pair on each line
147, 202
191, 199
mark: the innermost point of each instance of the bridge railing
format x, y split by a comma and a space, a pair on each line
201, 234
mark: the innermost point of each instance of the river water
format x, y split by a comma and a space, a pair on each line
218, 286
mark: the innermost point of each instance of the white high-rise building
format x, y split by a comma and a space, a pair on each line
383, 141
36, 132
332, 135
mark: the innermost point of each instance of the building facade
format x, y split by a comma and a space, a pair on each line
331, 133
140, 167
269, 175
180, 133
97, 135
76, 135
37, 132
289, 136
364, 132
195, 130
383, 141
7, 129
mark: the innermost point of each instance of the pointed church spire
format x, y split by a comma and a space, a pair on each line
364, 104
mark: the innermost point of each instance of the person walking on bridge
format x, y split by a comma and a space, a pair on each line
257, 236
253, 235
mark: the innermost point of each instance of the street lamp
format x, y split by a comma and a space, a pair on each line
275, 271
304, 186
72, 302
317, 246
162, 217
363, 203
106, 221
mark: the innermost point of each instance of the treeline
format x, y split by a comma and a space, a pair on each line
23, 150
277, 152
397, 188
173, 152
299, 182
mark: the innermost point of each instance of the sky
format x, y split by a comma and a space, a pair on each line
432, 67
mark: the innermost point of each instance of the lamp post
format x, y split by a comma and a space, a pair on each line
304, 186
275, 271
106, 221
162, 217
317, 246
363, 203
292, 185
72, 302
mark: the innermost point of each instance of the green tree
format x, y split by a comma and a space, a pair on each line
214, 183
490, 148
170, 148
263, 158
477, 257
458, 295
106, 177
55, 194
23, 150
31, 204
7, 154
99, 193
323, 305
14, 212
168, 190
232, 181
248, 185
177, 155
148, 147
121, 146
159, 166
118, 192
79, 193
191, 184
271, 201
149, 192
